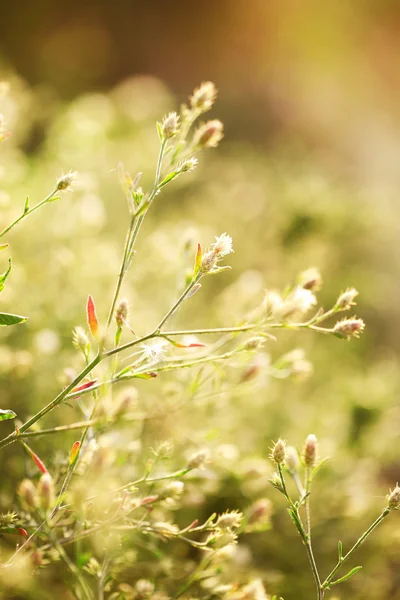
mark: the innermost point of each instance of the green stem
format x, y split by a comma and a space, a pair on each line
328, 580
177, 303
28, 212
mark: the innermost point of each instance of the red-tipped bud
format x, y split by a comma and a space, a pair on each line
74, 454
92, 317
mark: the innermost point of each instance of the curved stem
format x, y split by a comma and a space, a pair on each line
28, 212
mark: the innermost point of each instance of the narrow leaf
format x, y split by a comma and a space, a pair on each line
38, 462
84, 386
346, 577
8, 319
74, 454
3, 246
340, 550
7, 414
26, 207
178, 345
4, 276
150, 375
168, 178
92, 317
319, 465
159, 131
198, 260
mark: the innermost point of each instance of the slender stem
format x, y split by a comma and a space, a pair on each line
55, 402
178, 302
328, 580
307, 501
28, 212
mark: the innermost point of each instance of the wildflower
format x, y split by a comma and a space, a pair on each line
259, 512
219, 539
278, 452
121, 313
292, 459
166, 528
144, 588
208, 134
28, 494
300, 300
198, 460
80, 340
46, 491
276, 482
346, 299
311, 279
203, 97
310, 449
393, 499
346, 328
221, 247
172, 491
188, 165
8, 518
65, 181
272, 303
230, 520
170, 125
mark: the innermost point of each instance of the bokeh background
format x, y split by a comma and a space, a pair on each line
308, 175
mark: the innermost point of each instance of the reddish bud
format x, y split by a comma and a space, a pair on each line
38, 462
92, 317
74, 454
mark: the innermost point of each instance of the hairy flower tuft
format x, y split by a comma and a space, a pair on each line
230, 520
346, 299
203, 97
199, 459
310, 450
393, 498
65, 182
208, 135
170, 125
278, 452
347, 328
80, 340
310, 279
221, 247
121, 313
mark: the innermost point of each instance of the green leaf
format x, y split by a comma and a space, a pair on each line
4, 276
340, 550
26, 207
8, 319
168, 178
5, 415
3, 246
198, 261
159, 131
346, 577
319, 465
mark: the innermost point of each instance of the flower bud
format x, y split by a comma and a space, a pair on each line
259, 512
310, 280
230, 520
188, 165
170, 125
28, 494
220, 539
121, 313
208, 134
310, 451
278, 452
65, 181
346, 299
203, 97
46, 491
198, 460
393, 499
347, 328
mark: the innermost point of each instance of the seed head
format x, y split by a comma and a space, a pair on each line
221, 538
65, 181
278, 452
300, 300
311, 279
310, 451
188, 165
198, 460
221, 247
28, 494
80, 340
170, 125
230, 520
208, 134
346, 299
203, 97
393, 499
121, 313
276, 482
46, 491
347, 328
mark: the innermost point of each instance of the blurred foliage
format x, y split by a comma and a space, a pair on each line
285, 214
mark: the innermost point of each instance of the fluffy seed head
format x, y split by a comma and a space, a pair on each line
189, 165
300, 300
65, 181
222, 245
346, 299
347, 328
278, 452
230, 520
393, 499
144, 588
170, 125
311, 279
209, 134
310, 450
203, 97
198, 460
80, 340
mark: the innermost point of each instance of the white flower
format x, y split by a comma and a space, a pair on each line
222, 245
298, 301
